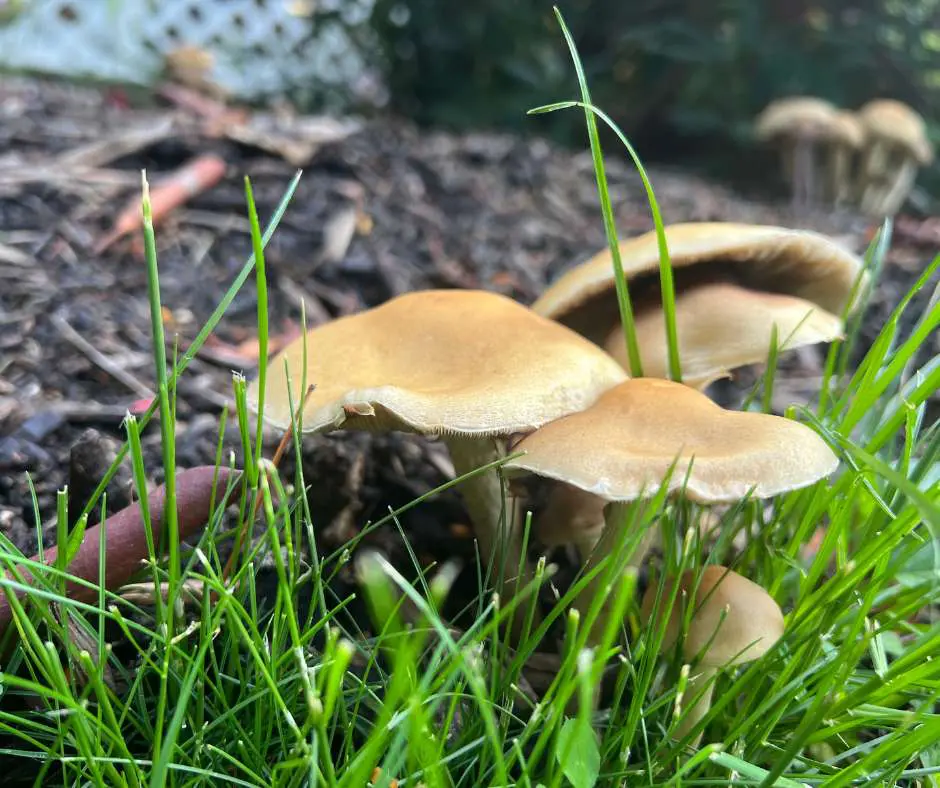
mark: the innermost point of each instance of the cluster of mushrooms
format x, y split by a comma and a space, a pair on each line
547, 384
869, 157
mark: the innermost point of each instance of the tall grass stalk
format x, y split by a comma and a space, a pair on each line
667, 287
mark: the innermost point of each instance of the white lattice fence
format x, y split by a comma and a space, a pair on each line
258, 47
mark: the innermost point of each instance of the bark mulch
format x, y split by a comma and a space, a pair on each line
382, 208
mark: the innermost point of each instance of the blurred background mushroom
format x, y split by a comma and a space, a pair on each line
896, 146
733, 621
799, 126
847, 135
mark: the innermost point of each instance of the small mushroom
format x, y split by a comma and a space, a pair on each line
469, 366
621, 449
734, 283
897, 145
799, 125
846, 137
733, 621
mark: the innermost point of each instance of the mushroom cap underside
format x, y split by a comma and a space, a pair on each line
795, 116
799, 263
569, 511
722, 326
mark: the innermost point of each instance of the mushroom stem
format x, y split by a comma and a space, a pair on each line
803, 182
876, 161
840, 173
900, 187
786, 161
586, 542
701, 683
614, 515
872, 176
498, 534
868, 202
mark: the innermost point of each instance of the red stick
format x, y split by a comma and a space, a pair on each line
126, 537
194, 177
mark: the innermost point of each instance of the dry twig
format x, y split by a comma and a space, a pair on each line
99, 359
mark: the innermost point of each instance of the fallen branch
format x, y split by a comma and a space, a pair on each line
98, 358
193, 178
126, 537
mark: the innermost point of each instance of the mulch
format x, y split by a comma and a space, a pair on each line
381, 209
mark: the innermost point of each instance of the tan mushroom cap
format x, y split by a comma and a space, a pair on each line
452, 362
748, 629
895, 122
847, 129
622, 447
722, 326
799, 263
795, 116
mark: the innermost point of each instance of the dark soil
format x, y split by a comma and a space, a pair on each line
431, 210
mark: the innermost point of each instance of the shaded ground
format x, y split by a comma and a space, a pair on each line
426, 209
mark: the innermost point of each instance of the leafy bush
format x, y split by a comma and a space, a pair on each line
694, 67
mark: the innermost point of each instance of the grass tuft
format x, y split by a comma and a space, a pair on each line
667, 288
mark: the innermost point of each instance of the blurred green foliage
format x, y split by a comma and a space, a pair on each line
696, 67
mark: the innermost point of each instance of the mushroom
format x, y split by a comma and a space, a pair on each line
799, 125
622, 448
722, 326
733, 621
846, 137
469, 366
897, 145
733, 281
